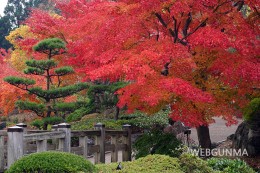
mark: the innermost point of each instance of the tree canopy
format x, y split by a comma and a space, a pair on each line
198, 57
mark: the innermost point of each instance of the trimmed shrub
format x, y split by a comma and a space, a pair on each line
37, 123
252, 110
52, 162
52, 120
139, 120
48, 120
229, 166
194, 164
149, 164
157, 142
79, 113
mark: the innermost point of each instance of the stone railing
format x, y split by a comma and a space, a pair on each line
17, 141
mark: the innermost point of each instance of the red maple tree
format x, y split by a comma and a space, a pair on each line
200, 57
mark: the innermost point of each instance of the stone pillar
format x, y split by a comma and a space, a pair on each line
2, 150
14, 145
127, 153
55, 141
24, 126
100, 140
65, 143
83, 142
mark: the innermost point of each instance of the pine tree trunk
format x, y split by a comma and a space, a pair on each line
45, 125
117, 113
204, 137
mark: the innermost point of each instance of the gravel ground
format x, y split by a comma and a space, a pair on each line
218, 131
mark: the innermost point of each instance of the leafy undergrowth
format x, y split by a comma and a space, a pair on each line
253, 162
186, 163
137, 119
149, 164
229, 165
51, 162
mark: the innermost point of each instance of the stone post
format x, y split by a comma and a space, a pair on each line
55, 141
2, 150
65, 143
83, 142
127, 153
100, 140
24, 126
14, 145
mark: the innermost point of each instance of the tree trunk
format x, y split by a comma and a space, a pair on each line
204, 137
117, 113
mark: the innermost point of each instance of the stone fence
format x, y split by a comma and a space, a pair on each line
17, 141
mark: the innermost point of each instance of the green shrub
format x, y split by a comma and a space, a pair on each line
89, 124
3, 118
145, 121
37, 123
51, 162
15, 120
79, 113
48, 120
53, 120
229, 166
252, 110
149, 164
157, 142
193, 164
137, 119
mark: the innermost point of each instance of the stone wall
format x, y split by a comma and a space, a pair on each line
247, 136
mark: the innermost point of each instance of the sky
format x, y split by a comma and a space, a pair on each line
2, 6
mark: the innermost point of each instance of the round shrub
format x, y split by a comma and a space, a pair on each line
51, 162
252, 110
149, 164
229, 166
157, 142
194, 164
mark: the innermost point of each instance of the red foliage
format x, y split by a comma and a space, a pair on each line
204, 45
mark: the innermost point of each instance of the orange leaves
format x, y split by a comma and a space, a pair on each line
9, 95
210, 49
210, 38
185, 90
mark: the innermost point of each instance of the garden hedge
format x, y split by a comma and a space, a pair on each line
52, 162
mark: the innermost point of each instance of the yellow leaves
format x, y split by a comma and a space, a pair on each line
17, 60
55, 15
19, 33
18, 56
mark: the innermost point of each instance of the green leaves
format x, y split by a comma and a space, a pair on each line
149, 164
33, 70
19, 81
157, 142
27, 105
229, 165
58, 92
50, 90
252, 110
49, 45
64, 70
41, 64
52, 161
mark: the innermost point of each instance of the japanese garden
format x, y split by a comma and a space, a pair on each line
131, 86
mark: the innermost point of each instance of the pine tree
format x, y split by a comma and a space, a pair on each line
54, 91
